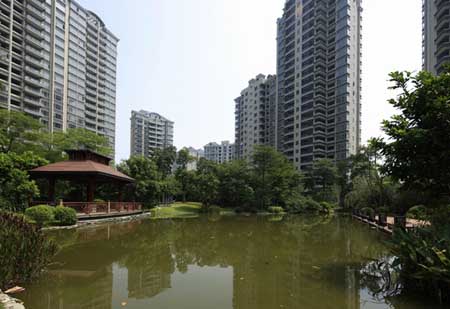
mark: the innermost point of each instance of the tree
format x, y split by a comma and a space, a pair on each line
147, 186
205, 183
235, 184
183, 158
20, 133
322, 179
182, 175
274, 178
206, 188
16, 188
17, 131
417, 151
53, 145
164, 159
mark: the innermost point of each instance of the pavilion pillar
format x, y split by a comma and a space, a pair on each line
120, 195
51, 189
91, 185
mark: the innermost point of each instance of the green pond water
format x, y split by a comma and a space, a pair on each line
215, 262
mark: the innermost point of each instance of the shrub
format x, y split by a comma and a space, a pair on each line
327, 207
65, 215
424, 257
41, 214
24, 250
275, 209
367, 211
312, 206
418, 212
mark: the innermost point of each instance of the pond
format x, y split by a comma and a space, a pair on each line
214, 262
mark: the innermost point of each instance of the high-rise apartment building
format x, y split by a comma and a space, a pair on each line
319, 80
149, 131
219, 153
255, 116
436, 35
58, 64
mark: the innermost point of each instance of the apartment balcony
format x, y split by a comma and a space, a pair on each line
32, 111
443, 46
37, 4
91, 92
35, 42
35, 12
32, 91
90, 113
32, 81
33, 31
35, 52
34, 21
34, 101
35, 62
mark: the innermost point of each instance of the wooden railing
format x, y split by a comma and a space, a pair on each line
89, 208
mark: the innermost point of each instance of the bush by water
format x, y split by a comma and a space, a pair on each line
24, 250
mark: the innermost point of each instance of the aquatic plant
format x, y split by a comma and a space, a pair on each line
24, 250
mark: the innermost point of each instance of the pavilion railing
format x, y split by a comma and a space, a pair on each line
89, 208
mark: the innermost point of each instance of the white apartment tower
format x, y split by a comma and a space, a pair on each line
58, 64
319, 80
149, 131
436, 35
255, 116
219, 153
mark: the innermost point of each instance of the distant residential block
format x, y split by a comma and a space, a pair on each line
219, 153
255, 116
149, 131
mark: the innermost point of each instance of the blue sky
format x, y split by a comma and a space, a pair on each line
189, 59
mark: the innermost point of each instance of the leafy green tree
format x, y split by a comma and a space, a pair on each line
206, 188
322, 179
53, 145
274, 178
20, 133
164, 159
17, 131
16, 188
417, 151
235, 184
183, 158
182, 175
147, 186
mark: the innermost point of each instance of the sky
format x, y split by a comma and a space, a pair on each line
189, 59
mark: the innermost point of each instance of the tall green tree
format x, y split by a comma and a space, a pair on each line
164, 159
417, 151
16, 188
274, 178
18, 131
235, 188
322, 180
147, 187
182, 175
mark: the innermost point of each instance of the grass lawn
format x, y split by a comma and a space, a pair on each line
177, 210
182, 210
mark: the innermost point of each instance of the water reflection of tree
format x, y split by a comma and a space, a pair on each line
275, 264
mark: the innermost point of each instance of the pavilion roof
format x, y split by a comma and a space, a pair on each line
80, 168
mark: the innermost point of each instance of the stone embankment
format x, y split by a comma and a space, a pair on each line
10, 303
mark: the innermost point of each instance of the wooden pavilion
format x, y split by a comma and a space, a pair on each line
90, 169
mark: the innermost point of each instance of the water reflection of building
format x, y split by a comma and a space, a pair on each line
147, 282
100, 292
